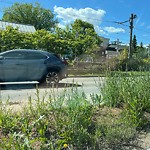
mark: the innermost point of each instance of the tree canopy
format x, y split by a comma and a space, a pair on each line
74, 40
134, 42
82, 27
85, 37
35, 15
138, 51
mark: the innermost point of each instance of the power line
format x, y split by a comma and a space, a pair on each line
99, 20
121, 22
116, 22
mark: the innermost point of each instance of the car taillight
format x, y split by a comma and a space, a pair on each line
65, 61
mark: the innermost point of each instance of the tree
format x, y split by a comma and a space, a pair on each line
141, 45
134, 44
81, 27
31, 14
10, 38
85, 37
63, 40
141, 51
45, 40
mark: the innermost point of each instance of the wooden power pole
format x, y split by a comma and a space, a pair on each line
131, 30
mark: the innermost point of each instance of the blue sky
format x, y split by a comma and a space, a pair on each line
102, 14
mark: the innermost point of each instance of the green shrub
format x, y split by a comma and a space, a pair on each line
70, 120
132, 93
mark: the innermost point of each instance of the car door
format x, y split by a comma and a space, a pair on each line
36, 66
13, 66
1, 68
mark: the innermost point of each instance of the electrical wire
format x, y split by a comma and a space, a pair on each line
95, 19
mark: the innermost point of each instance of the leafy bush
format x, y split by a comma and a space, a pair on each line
135, 64
132, 93
60, 122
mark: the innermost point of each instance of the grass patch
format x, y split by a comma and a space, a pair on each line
130, 92
70, 121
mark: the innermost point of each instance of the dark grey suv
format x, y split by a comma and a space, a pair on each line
31, 65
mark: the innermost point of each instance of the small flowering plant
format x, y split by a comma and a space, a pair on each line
65, 146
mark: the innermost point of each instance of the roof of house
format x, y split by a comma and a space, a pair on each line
21, 27
110, 49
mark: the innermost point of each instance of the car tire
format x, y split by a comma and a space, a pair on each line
52, 77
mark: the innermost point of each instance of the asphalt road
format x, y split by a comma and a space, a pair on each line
22, 91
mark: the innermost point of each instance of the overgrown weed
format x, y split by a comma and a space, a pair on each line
71, 121
131, 93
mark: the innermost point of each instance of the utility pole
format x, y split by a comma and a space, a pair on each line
131, 30
148, 50
117, 45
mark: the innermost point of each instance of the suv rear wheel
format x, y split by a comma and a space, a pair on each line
52, 77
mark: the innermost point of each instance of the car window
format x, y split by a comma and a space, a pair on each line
35, 56
55, 58
13, 55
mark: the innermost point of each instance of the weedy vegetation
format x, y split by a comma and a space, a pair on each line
110, 120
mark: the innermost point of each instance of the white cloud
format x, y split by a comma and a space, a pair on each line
99, 30
113, 30
95, 17
86, 14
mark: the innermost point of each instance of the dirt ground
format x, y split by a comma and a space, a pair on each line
142, 141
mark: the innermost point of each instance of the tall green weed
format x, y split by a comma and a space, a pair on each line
130, 92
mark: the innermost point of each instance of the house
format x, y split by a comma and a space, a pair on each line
105, 42
114, 49
111, 52
21, 27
